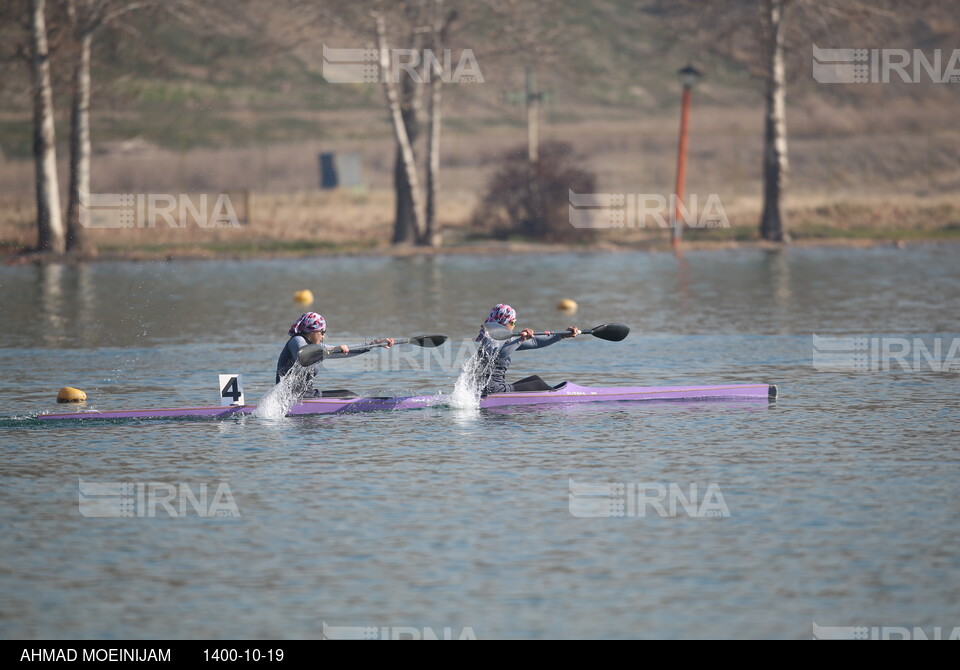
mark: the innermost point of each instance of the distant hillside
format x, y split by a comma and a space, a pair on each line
176, 86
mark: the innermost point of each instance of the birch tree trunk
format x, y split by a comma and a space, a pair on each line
49, 217
432, 235
77, 239
775, 164
404, 146
405, 227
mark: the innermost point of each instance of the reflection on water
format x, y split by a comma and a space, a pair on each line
450, 517
780, 282
66, 301
51, 304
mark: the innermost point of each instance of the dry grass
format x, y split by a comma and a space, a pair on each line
300, 221
852, 171
341, 221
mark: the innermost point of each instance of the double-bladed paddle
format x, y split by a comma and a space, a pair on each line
614, 332
313, 353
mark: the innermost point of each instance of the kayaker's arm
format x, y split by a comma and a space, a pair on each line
357, 349
336, 353
516, 344
540, 341
508, 348
314, 353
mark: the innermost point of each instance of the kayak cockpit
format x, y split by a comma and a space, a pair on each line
338, 393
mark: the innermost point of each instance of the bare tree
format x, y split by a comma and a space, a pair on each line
413, 100
380, 24
85, 18
425, 17
758, 35
404, 100
49, 217
439, 35
409, 195
431, 232
775, 163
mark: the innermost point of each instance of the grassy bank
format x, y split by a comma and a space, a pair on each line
337, 223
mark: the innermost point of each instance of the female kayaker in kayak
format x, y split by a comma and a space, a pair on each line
494, 356
310, 329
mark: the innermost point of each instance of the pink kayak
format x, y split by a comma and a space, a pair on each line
564, 393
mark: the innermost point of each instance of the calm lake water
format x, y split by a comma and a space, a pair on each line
836, 505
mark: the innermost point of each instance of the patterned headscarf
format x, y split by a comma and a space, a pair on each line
502, 314
311, 322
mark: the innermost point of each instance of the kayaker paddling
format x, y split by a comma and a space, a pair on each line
494, 357
310, 328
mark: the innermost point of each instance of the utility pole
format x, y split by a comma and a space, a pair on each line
689, 76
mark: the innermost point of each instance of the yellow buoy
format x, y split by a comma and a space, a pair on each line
70, 394
567, 305
304, 297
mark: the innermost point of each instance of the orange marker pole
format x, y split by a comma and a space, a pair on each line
677, 231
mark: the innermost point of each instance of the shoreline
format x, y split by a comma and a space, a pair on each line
312, 225
204, 253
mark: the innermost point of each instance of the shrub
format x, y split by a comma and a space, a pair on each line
537, 208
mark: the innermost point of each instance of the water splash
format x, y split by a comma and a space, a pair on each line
474, 375
277, 401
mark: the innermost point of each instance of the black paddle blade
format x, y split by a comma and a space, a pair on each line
309, 354
614, 332
498, 331
428, 341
